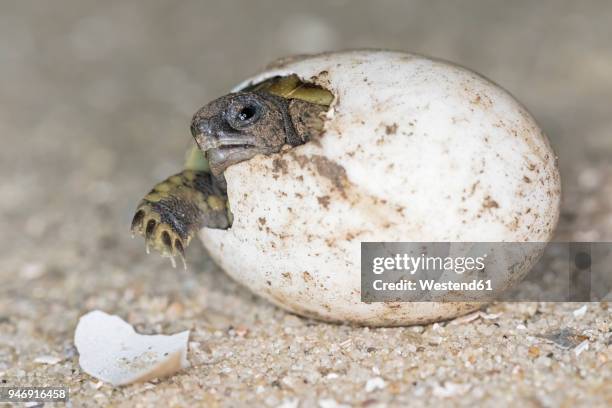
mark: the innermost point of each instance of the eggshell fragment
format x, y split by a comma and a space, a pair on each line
414, 149
110, 350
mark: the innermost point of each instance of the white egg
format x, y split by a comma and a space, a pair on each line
414, 149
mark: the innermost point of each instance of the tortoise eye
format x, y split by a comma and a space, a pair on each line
247, 113
242, 115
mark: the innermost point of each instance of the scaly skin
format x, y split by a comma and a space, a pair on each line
286, 111
175, 210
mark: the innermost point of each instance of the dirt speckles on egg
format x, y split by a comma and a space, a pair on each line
414, 149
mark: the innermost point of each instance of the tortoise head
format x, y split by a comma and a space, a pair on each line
238, 126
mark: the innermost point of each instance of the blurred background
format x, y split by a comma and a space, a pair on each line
96, 98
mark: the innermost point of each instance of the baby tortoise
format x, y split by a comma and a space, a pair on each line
258, 120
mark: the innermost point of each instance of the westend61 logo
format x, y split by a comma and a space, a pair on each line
485, 271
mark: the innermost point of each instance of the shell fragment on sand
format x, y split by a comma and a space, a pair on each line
112, 351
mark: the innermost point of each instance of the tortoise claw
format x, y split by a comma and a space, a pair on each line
175, 210
158, 235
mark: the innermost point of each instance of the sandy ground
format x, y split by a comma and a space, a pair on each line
95, 104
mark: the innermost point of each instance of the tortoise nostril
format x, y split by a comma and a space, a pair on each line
200, 126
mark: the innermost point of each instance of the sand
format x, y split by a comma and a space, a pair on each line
96, 100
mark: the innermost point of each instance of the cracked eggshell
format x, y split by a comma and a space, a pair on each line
414, 149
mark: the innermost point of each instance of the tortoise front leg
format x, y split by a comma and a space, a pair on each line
175, 210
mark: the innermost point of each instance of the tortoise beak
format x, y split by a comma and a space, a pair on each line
208, 138
221, 140
202, 132
207, 142
222, 147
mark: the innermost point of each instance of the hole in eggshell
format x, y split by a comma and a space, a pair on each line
294, 88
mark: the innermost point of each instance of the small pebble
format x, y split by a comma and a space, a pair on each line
47, 359
375, 383
580, 311
581, 348
565, 338
331, 403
